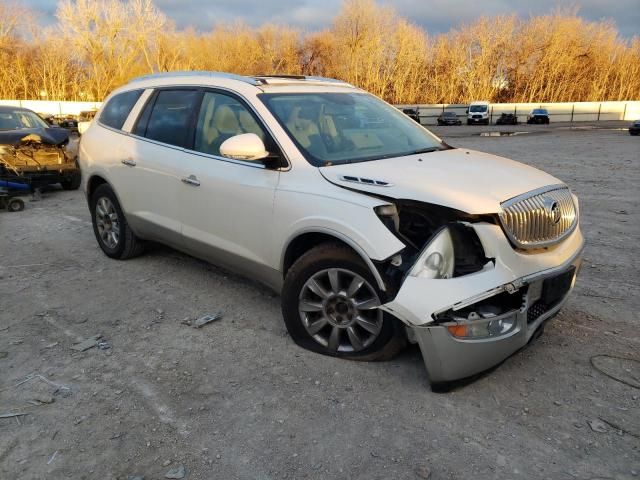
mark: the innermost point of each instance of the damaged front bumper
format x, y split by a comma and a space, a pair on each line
468, 324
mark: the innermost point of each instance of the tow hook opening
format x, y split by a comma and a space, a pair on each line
492, 317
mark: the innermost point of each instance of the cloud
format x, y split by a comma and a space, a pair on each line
436, 16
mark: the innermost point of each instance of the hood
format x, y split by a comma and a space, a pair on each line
49, 136
469, 181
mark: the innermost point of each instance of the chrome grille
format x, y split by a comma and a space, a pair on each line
539, 218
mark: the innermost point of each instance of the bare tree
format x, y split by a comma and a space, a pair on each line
97, 46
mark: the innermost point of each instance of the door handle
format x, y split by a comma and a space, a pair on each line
129, 162
191, 180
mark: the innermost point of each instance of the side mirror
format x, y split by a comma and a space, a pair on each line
246, 146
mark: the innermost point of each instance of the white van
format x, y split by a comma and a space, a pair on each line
478, 112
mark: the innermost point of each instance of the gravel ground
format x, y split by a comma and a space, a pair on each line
237, 399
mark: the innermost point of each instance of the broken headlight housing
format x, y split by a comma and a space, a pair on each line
437, 260
492, 317
479, 326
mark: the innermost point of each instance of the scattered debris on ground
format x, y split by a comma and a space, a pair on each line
86, 344
178, 472
207, 319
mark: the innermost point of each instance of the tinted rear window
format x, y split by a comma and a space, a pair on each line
117, 110
170, 118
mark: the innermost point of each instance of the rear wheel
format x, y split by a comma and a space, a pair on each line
115, 237
330, 305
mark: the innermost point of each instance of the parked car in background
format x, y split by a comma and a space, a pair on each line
69, 122
478, 113
63, 121
35, 151
374, 231
538, 115
634, 128
449, 118
412, 113
507, 119
85, 119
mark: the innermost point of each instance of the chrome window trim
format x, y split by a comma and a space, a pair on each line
130, 121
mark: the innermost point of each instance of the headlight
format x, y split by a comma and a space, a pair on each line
437, 260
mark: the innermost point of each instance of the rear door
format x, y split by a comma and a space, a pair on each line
155, 158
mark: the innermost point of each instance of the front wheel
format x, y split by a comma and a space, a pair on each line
330, 306
115, 237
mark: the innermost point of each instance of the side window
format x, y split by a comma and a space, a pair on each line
170, 117
222, 117
116, 111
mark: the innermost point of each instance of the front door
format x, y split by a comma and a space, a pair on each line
226, 205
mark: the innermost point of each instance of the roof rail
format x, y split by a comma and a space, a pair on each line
201, 73
310, 78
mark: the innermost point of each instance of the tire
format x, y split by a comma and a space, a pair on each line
468, 122
72, 183
15, 205
106, 214
330, 323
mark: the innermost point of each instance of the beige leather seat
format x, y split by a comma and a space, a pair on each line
301, 128
248, 124
219, 124
226, 121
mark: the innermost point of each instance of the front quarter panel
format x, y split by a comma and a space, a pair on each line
307, 203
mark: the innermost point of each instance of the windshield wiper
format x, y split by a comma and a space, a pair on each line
422, 150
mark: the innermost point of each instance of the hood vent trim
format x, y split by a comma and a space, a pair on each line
365, 181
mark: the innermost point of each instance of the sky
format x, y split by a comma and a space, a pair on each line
436, 16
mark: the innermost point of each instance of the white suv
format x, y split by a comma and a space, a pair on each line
374, 231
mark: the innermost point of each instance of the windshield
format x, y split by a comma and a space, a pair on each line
477, 108
18, 119
449, 114
337, 128
539, 111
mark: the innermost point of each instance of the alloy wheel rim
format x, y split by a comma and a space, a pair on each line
107, 222
339, 310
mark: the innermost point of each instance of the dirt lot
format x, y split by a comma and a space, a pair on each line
238, 400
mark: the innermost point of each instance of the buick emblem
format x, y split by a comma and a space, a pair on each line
553, 210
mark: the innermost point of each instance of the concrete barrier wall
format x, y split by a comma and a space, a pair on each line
558, 112
53, 108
